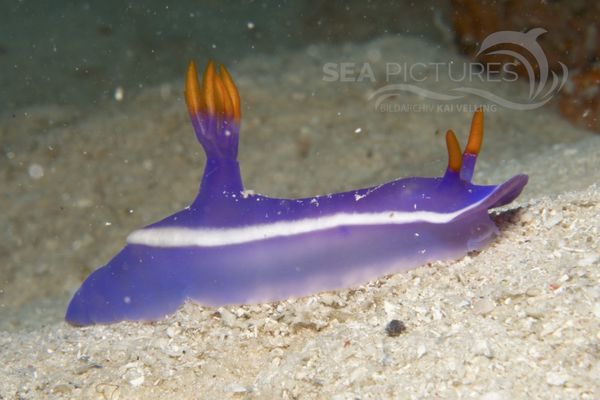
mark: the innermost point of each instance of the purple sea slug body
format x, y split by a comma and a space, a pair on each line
231, 246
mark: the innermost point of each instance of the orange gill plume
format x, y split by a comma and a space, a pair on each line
217, 96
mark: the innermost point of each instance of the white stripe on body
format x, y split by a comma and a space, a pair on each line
212, 237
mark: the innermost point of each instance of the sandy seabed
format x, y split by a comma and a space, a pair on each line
519, 319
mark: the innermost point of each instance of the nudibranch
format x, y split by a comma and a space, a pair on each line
231, 246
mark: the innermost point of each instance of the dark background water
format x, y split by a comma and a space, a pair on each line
78, 53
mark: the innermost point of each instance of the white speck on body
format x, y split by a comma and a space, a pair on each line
358, 130
127, 300
368, 192
248, 192
358, 197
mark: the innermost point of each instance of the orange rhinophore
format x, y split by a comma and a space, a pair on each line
454, 156
217, 96
476, 135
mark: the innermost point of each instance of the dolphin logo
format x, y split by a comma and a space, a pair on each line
525, 40
528, 41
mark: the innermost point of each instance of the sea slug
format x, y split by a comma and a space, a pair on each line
231, 246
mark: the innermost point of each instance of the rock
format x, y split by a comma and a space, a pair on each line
483, 306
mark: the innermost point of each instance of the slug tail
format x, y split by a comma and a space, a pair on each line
214, 108
469, 157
